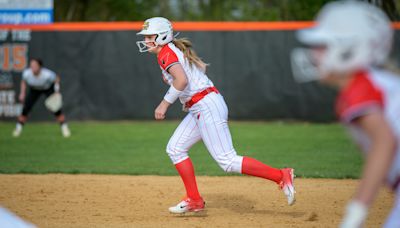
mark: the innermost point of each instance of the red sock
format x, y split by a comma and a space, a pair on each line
186, 171
253, 167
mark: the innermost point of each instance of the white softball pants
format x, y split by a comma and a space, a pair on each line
206, 120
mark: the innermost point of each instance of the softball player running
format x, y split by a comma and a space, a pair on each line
346, 48
39, 80
207, 119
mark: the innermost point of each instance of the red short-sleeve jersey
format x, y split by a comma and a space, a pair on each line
359, 98
167, 57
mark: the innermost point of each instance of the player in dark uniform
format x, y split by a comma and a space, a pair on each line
38, 80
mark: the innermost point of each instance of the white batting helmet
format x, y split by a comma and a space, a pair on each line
159, 26
353, 34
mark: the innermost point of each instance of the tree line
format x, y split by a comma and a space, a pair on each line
200, 10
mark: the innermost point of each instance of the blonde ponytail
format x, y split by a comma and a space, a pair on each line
186, 47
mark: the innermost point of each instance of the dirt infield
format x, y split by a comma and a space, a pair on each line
142, 201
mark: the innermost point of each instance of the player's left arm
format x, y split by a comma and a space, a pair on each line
376, 167
57, 84
380, 155
178, 85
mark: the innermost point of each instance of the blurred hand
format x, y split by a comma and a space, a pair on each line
356, 213
159, 113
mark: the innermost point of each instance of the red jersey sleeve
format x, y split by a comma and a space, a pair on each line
167, 57
359, 98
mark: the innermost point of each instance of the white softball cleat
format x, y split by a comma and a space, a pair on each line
65, 130
17, 131
287, 185
188, 205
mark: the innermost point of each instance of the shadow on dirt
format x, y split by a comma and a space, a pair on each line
242, 205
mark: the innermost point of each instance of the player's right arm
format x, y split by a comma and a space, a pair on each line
22, 91
168, 61
180, 79
178, 85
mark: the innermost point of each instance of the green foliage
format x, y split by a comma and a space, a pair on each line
314, 150
200, 10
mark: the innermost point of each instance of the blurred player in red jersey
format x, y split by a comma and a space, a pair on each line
346, 49
207, 117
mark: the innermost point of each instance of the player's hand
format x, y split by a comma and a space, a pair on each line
21, 97
159, 113
356, 213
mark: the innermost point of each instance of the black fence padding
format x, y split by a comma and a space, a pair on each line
104, 77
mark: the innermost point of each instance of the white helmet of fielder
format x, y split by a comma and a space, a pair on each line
352, 34
159, 26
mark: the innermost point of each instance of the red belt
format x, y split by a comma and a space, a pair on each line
200, 95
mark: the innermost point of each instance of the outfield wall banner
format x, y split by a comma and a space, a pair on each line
26, 11
14, 46
104, 77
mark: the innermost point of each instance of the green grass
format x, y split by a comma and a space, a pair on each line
314, 150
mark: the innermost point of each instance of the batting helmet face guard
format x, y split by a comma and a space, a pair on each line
159, 26
348, 36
